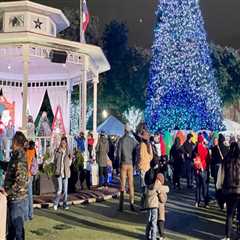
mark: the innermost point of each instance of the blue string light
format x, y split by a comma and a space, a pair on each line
182, 91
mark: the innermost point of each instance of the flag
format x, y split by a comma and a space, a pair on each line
86, 16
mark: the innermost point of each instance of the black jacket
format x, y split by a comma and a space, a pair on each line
188, 150
231, 184
216, 157
224, 149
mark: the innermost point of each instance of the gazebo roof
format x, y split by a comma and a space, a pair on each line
55, 14
11, 41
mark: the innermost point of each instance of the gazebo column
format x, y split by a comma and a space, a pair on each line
83, 105
25, 86
84, 96
69, 92
95, 92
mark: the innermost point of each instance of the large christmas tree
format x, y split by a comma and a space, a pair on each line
182, 91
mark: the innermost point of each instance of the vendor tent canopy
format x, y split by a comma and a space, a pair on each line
111, 126
231, 126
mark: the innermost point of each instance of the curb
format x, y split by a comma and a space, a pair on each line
79, 201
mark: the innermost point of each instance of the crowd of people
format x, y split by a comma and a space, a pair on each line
159, 168
18, 181
198, 158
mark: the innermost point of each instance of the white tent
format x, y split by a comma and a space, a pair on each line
232, 127
111, 126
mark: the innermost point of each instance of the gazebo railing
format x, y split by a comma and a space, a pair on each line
49, 144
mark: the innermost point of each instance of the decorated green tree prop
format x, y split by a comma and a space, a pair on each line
182, 91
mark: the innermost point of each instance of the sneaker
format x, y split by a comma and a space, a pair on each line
55, 207
66, 207
132, 208
206, 206
226, 238
197, 205
162, 238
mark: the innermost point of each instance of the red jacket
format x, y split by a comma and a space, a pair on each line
90, 141
203, 154
163, 146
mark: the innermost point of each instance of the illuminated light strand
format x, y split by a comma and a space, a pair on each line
182, 91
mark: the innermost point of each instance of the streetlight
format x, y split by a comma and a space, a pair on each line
104, 114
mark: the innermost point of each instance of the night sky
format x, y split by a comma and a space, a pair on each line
222, 18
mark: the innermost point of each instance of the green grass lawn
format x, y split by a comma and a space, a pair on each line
100, 221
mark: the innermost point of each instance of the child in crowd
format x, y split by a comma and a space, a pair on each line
32, 162
156, 197
162, 196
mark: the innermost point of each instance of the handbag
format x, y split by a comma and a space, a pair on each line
197, 163
220, 177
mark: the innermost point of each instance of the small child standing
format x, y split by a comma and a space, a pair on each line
162, 196
156, 198
152, 205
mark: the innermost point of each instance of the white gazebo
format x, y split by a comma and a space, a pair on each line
34, 60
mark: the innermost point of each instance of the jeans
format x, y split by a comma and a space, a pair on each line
30, 198
103, 176
151, 229
62, 186
143, 188
161, 228
232, 203
201, 187
17, 215
85, 175
216, 168
189, 172
127, 172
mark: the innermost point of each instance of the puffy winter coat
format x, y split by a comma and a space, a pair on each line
152, 195
62, 166
231, 184
102, 150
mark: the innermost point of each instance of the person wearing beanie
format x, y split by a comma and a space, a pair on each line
162, 197
156, 197
152, 203
201, 161
125, 152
